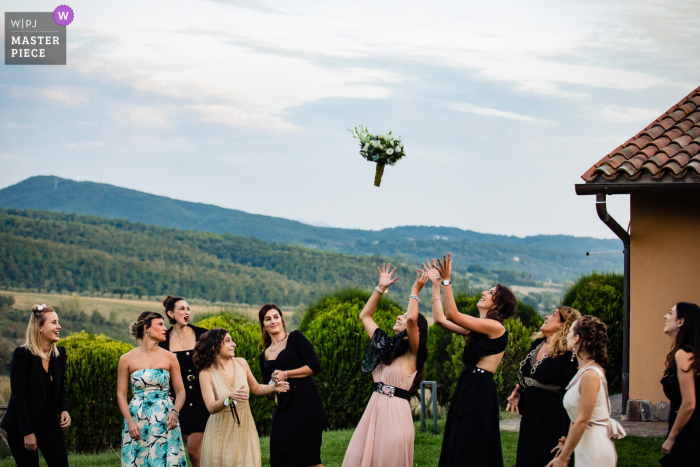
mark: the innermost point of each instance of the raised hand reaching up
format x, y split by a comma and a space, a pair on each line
385, 279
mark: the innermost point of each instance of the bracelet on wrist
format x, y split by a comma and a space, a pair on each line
414, 297
286, 376
381, 292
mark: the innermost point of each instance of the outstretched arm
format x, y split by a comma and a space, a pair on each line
385, 281
412, 311
490, 327
438, 313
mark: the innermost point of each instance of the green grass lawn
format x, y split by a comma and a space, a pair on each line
631, 451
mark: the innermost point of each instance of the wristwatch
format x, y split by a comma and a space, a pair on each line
446, 282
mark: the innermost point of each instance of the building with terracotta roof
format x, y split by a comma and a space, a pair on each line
660, 169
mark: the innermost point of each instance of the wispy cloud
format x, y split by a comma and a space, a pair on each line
464, 107
629, 114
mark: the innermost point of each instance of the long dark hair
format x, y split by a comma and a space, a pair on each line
688, 336
422, 350
266, 339
505, 304
207, 348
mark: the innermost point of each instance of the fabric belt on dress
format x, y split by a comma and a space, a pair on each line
532, 382
390, 391
150, 395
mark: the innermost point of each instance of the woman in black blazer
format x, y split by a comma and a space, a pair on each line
38, 406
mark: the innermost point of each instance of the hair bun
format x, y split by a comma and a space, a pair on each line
165, 300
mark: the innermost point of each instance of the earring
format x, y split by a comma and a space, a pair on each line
573, 356
148, 334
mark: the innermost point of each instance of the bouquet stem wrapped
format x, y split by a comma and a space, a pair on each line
382, 149
378, 174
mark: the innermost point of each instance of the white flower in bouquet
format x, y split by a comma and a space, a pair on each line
383, 149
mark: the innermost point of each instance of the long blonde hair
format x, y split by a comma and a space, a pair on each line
32, 340
567, 315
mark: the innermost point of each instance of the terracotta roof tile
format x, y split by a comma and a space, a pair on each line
668, 149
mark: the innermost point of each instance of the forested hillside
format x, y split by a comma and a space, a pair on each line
56, 194
68, 252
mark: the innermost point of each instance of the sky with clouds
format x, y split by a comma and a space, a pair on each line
246, 104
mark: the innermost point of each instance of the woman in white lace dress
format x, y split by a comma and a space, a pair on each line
586, 400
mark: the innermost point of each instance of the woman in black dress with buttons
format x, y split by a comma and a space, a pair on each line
297, 424
544, 375
682, 386
472, 436
181, 339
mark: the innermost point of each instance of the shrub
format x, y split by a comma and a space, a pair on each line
246, 334
602, 295
333, 326
528, 315
439, 366
91, 372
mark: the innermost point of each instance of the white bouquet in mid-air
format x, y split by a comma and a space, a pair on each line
382, 149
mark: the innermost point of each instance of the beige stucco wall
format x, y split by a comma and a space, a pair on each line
664, 270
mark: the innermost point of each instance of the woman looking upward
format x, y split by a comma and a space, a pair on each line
385, 435
151, 433
681, 386
472, 435
180, 339
544, 374
228, 441
586, 400
297, 424
38, 406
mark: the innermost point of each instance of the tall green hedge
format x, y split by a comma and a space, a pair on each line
602, 295
91, 373
246, 334
334, 328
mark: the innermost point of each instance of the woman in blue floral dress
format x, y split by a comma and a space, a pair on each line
151, 434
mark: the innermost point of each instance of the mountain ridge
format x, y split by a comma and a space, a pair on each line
56, 194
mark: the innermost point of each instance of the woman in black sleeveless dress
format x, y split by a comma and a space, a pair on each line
297, 424
472, 436
182, 337
544, 375
681, 385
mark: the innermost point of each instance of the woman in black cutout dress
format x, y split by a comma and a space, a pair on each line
297, 423
472, 436
682, 446
544, 420
194, 414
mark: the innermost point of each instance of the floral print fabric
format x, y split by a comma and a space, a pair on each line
158, 446
380, 347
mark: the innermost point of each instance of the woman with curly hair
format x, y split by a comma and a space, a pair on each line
230, 437
384, 437
544, 374
472, 435
587, 402
681, 386
151, 432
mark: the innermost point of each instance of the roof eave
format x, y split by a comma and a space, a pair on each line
583, 189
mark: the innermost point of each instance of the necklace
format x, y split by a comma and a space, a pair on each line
278, 344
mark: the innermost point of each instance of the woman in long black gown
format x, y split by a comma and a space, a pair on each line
682, 386
472, 436
297, 424
544, 375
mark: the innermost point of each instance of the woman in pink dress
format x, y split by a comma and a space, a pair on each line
384, 436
